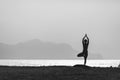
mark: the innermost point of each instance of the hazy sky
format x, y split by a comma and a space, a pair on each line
63, 21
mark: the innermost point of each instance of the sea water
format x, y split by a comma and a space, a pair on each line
94, 63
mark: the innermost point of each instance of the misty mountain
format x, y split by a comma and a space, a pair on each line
36, 49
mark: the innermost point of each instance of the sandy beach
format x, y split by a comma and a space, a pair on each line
77, 72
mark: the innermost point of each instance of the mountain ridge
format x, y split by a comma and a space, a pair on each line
37, 49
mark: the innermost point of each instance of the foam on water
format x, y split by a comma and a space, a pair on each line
97, 63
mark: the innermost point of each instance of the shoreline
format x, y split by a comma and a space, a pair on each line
93, 63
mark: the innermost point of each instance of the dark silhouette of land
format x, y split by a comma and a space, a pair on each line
84, 53
77, 72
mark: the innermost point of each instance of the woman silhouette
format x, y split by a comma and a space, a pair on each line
84, 53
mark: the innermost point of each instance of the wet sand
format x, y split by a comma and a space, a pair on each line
77, 72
